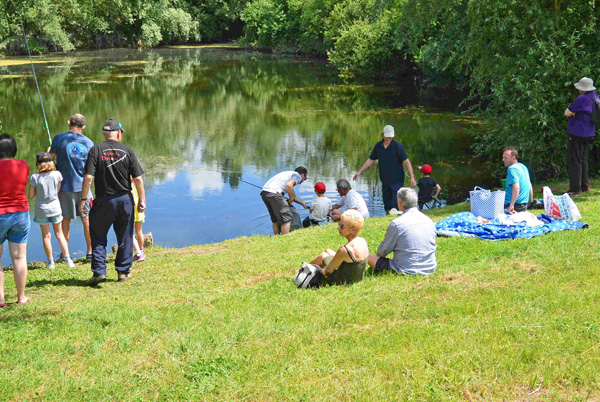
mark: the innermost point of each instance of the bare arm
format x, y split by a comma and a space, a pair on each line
31, 193
139, 186
364, 167
513, 197
85, 188
568, 113
409, 168
437, 191
336, 261
289, 186
530, 192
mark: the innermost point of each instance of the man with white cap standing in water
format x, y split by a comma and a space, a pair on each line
392, 161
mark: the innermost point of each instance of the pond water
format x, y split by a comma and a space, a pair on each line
209, 123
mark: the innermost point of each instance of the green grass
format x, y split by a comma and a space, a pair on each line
497, 321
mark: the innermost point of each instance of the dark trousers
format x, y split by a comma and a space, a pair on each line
116, 211
577, 162
390, 195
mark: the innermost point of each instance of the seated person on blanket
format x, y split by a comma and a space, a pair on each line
412, 238
519, 191
348, 264
426, 185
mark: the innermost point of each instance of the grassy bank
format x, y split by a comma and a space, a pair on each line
512, 320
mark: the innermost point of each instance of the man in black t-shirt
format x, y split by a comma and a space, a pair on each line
392, 161
112, 165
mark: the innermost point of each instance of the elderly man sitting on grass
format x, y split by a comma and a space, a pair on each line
411, 237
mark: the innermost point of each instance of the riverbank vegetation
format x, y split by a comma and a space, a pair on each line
513, 62
508, 320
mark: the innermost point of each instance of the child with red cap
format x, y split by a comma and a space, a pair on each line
319, 208
426, 185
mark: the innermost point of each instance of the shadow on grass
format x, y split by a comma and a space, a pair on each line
63, 282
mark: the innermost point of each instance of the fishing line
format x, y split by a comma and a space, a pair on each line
34, 75
247, 182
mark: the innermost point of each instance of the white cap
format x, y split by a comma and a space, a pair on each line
388, 131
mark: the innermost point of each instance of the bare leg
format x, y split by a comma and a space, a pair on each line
372, 260
319, 259
86, 232
336, 215
136, 246
62, 241
276, 229
2, 301
139, 234
285, 228
66, 229
47, 240
18, 253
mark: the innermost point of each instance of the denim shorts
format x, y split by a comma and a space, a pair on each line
14, 227
50, 219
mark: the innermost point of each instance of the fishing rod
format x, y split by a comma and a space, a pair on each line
361, 137
34, 75
247, 182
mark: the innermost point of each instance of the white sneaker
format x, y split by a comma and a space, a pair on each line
69, 262
50, 265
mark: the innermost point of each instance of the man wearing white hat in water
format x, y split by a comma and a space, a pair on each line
581, 134
392, 161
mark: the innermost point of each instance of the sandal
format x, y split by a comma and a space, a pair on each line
27, 300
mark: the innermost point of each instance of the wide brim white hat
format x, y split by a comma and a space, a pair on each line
388, 131
585, 84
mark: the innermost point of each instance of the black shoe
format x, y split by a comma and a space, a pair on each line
88, 258
124, 277
95, 280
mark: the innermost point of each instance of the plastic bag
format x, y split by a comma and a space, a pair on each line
560, 206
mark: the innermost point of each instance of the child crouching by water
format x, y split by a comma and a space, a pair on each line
320, 207
44, 185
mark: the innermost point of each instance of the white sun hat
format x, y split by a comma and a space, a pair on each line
585, 84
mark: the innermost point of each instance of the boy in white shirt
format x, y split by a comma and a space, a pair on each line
319, 208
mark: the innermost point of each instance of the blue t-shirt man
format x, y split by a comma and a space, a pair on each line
518, 173
71, 151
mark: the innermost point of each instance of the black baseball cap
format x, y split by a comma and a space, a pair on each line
43, 157
113, 125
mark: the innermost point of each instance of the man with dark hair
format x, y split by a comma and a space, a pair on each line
392, 161
519, 191
273, 196
112, 165
70, 151
351, 199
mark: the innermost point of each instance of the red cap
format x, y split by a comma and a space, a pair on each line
320, 187
426, 169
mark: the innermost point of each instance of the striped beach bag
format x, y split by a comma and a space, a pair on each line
487, 204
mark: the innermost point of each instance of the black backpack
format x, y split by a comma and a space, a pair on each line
595, 115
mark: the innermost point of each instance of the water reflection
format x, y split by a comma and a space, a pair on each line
206, 121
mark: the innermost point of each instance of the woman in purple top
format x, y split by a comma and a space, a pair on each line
581, 134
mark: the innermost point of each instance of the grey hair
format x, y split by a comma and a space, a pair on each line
343, 184
408, 197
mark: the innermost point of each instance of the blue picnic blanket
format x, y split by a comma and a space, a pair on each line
465, 224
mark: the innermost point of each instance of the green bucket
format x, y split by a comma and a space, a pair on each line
503, 181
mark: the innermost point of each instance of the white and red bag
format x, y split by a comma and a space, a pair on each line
560, 206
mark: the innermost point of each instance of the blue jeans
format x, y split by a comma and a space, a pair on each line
14, 226
115, 211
